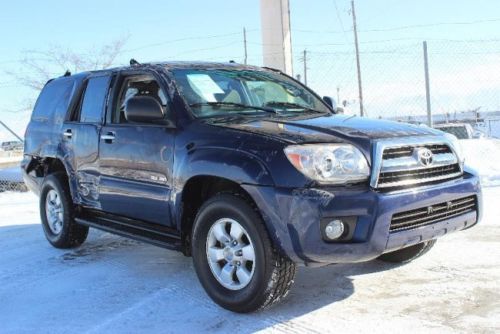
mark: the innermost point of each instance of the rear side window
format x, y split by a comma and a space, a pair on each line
92, 107
54, 100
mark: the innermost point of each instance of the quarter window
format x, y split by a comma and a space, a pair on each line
54, 99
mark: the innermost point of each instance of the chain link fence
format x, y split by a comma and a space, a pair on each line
10, 172
11, 153
463, 78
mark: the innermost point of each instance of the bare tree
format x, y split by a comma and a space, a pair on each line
38, 66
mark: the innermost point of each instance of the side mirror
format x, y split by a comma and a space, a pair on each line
143, 109
331, 103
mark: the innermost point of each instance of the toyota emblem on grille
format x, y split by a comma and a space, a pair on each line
424, 156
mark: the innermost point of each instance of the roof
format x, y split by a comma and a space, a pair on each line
176, 65
205, 64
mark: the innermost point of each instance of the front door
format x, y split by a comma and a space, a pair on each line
136, 159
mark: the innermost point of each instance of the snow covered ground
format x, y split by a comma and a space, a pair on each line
484, 156
114, 285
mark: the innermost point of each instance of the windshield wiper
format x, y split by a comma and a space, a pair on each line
233, 104
291, 105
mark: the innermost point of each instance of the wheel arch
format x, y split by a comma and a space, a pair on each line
43, 167
195, 192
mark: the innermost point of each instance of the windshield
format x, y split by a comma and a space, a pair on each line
219, 92
458, 131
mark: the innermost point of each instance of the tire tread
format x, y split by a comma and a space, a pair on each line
75, 234
282, 268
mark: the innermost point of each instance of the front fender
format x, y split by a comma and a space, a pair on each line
235, 165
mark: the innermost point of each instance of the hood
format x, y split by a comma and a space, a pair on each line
325, 128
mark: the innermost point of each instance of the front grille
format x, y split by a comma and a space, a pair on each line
417, 174
432, 214
407, 151
403, 165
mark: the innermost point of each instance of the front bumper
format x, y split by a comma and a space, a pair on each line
293, 218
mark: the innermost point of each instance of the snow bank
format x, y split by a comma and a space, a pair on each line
484, 156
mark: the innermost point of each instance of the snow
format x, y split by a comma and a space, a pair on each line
484, 156
115, 285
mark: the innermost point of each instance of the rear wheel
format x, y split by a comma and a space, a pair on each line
234, 258
57, 213
408, 254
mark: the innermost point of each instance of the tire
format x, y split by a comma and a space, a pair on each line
408, 254
59, 227
263, 281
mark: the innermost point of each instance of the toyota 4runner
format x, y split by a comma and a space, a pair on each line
244, 169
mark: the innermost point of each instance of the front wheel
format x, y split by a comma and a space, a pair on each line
234, 258
408, 254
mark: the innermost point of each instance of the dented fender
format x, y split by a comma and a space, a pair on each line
238, 166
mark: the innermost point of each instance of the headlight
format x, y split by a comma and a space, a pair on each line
329, 163
456, 146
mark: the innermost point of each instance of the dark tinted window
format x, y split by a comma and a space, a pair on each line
54, 99
94, 99
458, 131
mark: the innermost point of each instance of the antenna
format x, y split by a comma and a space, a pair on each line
245, 44
134, 62
67, 73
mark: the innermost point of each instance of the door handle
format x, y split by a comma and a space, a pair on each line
108, 137
68, 134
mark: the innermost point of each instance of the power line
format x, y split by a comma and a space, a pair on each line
401, 27
340, 19
437, 24
181, 40
209, 48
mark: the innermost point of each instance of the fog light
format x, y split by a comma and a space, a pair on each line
334, 229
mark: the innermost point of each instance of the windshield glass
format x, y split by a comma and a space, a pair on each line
216, 92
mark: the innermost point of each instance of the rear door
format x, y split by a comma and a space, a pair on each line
81, 138
136, 159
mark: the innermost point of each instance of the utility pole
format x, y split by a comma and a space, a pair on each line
360, 86
305, 67
427, 86
245, 44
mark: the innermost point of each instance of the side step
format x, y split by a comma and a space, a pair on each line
153, 234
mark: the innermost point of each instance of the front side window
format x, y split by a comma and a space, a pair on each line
137, 85
215, 92
94, 100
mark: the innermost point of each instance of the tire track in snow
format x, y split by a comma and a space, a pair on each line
183, 292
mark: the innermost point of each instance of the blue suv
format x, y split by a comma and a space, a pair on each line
243, 168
